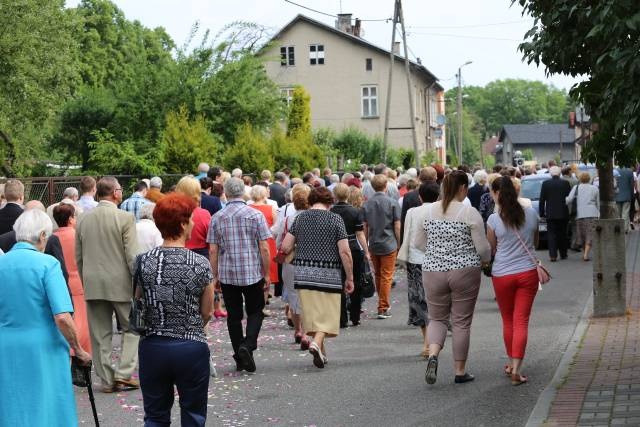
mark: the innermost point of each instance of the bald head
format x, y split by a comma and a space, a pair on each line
34, 204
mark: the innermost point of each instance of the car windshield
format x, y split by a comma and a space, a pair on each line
531, 188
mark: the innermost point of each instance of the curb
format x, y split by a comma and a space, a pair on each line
543, 405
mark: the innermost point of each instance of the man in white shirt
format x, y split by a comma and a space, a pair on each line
88, 191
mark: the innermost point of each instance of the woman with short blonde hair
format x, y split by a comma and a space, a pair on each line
356, 199
197, 242
189, 186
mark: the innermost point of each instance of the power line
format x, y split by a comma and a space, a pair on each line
469, 26
312, 10
463, 36
335, 16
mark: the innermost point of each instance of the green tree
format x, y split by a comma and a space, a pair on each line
299, 153
239, 91
357, 146
249, 152
112, 157
186, 142
514, 101
471, 136
299, 120
38, 69
91, 110
607, 60
131, 61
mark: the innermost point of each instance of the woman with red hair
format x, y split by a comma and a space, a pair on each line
175, 285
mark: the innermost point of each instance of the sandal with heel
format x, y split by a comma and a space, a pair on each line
518, 379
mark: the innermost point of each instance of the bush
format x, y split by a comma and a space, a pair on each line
111, 157
185, 143
250, 151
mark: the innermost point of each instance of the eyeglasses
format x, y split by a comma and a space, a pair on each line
118, 189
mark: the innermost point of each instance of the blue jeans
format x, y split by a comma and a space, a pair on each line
165, 362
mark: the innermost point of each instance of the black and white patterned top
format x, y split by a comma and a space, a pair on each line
173, 280
449, 243
317, 262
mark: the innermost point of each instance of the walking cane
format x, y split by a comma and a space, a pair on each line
84, 381
87, 377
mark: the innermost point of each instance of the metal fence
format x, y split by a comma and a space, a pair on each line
49, 190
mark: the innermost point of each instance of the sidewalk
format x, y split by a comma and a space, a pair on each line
603, 384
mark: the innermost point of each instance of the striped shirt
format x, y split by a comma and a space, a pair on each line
237, 229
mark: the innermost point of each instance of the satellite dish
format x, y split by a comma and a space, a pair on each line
441, 120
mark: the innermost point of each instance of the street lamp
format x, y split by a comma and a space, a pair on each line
460, 110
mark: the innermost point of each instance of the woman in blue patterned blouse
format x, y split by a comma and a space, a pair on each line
176, 286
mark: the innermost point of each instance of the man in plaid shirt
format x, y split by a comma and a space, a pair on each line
137, 200
239, 255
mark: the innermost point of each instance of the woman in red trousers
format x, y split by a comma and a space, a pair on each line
512, 232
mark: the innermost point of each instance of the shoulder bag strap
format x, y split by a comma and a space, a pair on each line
533, 258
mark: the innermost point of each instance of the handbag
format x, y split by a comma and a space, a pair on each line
138, 308
281, 257
574, 203
367, 282
543, 274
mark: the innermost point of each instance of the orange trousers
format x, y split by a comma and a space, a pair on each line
384, 266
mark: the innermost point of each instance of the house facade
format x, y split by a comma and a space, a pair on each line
347, 80
546, 142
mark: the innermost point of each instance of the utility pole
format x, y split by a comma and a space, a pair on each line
398, 17
392, 57
560, 134
459, 114
459, 110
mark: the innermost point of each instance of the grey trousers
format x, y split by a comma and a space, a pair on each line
452, 294
100, 316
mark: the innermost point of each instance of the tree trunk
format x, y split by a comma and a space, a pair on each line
607, 193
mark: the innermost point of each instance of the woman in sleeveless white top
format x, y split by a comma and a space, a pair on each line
455, 247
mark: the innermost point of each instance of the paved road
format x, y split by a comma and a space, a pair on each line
375, 376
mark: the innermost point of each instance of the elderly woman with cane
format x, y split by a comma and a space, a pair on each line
37, 330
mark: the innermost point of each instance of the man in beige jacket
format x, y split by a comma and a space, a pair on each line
106, 247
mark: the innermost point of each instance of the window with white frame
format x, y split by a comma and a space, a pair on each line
287, 56
287, 95
316, 54
369, 101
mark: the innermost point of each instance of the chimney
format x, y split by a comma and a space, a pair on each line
344, 22
396, 48
356, 28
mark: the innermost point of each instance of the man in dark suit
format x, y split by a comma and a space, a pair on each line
14, 193
278, 188
412, 198
553, 206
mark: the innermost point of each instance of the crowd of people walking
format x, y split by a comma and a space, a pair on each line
219, 245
